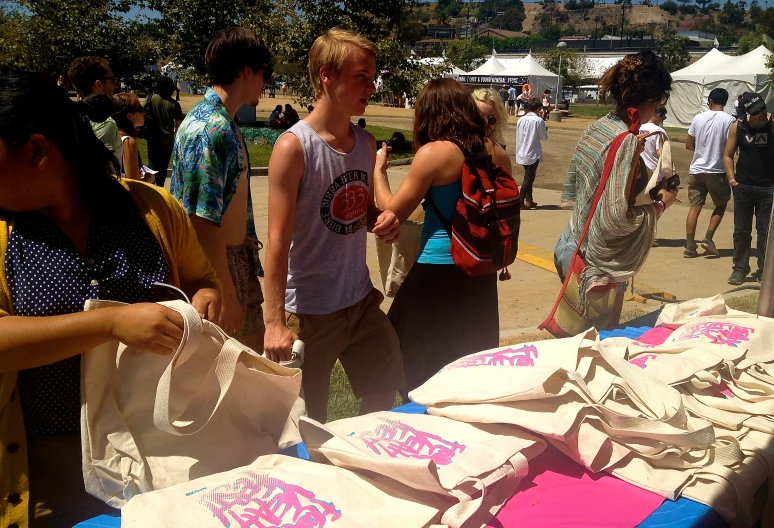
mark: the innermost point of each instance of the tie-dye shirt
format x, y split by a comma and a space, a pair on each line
207, 162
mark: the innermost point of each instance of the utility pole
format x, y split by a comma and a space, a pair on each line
623, 12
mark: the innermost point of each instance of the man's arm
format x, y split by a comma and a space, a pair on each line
213, 244
383, 224
690, 143
542, 130
286, 168
728, 155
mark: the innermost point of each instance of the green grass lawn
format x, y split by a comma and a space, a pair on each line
260, 154
589, 110
341, 402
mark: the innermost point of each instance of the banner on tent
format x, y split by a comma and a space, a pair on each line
492, 79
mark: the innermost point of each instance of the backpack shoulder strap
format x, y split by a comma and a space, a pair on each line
444, 222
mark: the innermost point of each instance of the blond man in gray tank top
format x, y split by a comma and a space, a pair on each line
321, 205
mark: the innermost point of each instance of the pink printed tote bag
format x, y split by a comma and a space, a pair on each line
479, 467
279, 491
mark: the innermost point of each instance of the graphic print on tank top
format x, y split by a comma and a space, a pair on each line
344, 205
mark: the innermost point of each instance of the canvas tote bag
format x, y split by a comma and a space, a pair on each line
396, 260
664, 170
149, 421
278, 491
477, 466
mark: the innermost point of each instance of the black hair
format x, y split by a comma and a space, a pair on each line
278, 107
85, 71
533, 105
33, 104
361, 122
636, 79
233, 49
718, 96
165, 87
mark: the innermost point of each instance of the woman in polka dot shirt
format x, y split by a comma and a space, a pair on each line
71, 231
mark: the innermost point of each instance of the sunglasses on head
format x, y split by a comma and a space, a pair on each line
492, 120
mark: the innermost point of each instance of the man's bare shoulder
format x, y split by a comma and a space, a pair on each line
288, 143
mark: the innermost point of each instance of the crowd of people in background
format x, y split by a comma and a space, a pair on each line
93, 219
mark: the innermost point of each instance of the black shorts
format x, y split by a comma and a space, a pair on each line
511, 103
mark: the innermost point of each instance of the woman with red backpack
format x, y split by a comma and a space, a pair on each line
447, 307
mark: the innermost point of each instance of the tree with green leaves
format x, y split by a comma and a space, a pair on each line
671, 49
732, 15
41, 35
753, 39
511, 19
575, 66
464, 54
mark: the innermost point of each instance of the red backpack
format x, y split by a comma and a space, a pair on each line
484, 230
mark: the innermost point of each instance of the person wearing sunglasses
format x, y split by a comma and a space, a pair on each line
530, 130
92, 76
752, 182
493, 109
620, 234
129, 114
211, 177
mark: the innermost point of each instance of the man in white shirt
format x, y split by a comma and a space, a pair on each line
530, 129
707, 139
652, 151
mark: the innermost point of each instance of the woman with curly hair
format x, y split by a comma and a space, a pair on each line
493, 110
621, 234
439, 313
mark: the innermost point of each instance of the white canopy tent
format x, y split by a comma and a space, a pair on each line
490, 67
521, 71
535, 74
737, 74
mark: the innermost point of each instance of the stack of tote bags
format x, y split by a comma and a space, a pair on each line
691, 417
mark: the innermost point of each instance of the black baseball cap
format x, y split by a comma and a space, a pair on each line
753, 103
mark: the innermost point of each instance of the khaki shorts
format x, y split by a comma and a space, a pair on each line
362, 338
716, 184
248, 288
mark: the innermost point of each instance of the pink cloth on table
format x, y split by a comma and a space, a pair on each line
655, 336
559, 492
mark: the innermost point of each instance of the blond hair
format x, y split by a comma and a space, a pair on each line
331, 50
486, 95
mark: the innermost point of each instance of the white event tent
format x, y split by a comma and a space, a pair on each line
518, 72
535, 74
737, 74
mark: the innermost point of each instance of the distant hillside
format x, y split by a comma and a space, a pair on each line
642, 19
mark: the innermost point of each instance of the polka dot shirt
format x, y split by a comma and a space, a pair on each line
47, 276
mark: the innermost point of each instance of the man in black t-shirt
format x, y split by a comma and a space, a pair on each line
752, 182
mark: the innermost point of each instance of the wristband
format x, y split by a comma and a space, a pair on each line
661, 206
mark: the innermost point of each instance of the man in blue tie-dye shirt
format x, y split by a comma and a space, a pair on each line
210, 177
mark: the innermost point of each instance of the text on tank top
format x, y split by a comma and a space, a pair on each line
756, 154
327, 268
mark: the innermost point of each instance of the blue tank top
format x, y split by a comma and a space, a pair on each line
435, 244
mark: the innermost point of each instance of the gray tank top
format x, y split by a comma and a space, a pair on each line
327, 268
